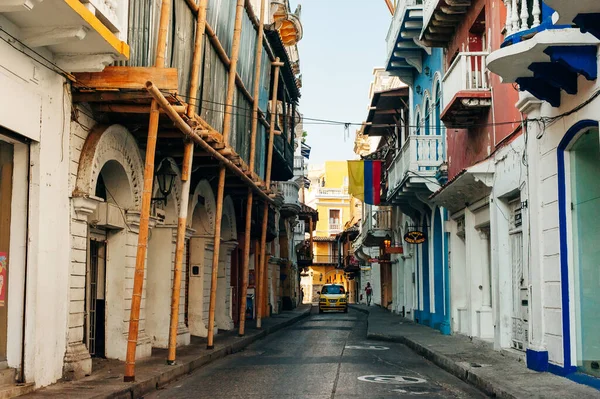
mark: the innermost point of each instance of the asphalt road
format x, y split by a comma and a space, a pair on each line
323, 356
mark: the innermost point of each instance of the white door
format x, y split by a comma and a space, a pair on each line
520, 280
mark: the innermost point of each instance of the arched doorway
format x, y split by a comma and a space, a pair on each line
438, 269
223, 309
423, 250
109, 178
161, 257
201, 248
579, 169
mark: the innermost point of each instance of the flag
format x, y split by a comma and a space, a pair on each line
365, 181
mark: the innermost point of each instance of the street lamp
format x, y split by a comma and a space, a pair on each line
387, 243
165, 175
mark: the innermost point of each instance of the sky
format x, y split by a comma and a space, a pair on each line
343, 41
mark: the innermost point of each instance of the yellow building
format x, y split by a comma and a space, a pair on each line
328, 194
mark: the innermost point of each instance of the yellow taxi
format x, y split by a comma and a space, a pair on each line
333, 297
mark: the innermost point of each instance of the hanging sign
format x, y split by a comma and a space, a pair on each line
377, 260
394, 250
3, 278
415, 237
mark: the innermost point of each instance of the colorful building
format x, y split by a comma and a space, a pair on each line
551, 53
328, 194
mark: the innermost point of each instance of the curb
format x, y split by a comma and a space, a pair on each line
140, 388
446, 363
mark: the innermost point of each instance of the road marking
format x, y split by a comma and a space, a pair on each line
392, 379
369, 347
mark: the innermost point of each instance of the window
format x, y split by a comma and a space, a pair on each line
334, 216
333, 289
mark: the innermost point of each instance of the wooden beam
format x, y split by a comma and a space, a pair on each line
134, 109
117, 77
192, 134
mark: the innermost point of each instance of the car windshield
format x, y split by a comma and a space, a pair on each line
332, 289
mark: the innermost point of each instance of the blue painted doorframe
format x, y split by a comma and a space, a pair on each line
532, 356
438, 270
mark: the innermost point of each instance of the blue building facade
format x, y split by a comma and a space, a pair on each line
416, 169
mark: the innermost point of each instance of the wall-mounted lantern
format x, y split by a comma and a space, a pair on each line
165, 175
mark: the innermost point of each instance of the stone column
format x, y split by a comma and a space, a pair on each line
77, 361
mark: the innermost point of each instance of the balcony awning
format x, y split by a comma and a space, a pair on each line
79, 40
405, 51
548, 62
468, 187
385, 110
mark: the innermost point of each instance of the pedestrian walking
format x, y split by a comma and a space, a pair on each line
369, 292
301, 295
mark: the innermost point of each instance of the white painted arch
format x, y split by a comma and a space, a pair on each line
107, 144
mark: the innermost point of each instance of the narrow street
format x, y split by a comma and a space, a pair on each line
323, 356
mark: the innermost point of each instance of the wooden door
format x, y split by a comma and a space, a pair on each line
6, 175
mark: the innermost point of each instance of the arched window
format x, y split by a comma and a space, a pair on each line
418, 123
427, 124
438, 108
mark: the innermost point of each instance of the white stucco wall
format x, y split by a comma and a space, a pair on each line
547, 329
35, 104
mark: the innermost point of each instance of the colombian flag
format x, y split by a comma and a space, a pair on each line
365, 181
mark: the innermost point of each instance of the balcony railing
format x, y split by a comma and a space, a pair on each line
335, 227
325, 259
332, 192
522, 15
419, 154
289, 189
382, 219
467, 72
298, 162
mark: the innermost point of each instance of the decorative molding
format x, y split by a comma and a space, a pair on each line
85, 206
52, 35
104, 144
18, 5
85, 62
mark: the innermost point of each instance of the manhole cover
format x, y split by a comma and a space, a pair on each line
392, 379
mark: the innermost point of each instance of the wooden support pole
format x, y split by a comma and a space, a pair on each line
140, 260
215, 260
188, 157
250, 199
235, 51
186, 179
263, 242
310, 234
390, 6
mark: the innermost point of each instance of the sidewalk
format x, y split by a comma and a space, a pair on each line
153, 373
475, 362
